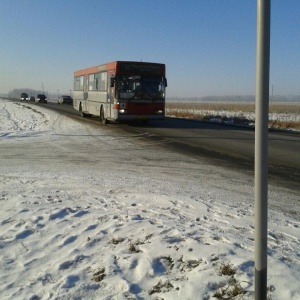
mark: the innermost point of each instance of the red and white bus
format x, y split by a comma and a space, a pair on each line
121, 91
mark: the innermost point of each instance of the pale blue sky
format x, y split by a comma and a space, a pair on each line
208, 46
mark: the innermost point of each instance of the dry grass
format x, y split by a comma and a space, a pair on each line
227, 269
208, 110
233, 287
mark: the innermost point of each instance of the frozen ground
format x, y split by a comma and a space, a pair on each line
87, 213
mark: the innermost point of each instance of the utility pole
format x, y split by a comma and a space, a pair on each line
261, 146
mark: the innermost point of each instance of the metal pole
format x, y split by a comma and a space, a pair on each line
261, 146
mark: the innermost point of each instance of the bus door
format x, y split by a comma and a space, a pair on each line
85, 94
110, 96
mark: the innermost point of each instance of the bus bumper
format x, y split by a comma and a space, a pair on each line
139, 117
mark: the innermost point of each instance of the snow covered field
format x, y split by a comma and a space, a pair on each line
87, 213
284, 116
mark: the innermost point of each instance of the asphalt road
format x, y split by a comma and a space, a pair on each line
227, 146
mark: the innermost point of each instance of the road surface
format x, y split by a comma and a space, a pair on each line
229, 146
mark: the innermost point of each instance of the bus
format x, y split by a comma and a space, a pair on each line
121, 91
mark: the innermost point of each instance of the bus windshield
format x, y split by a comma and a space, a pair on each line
140, 87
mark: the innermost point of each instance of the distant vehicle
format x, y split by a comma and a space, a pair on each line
64, 99
24, 97
121, 91
41, 98
32, 98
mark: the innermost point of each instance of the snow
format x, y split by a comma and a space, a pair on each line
90, 213
286, 117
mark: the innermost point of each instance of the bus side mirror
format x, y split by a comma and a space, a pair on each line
166, 82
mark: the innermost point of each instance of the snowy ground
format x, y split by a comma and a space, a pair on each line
281, 117
89, 214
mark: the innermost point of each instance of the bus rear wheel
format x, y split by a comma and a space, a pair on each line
102, 117
82, 114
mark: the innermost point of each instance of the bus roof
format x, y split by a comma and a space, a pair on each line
125, 67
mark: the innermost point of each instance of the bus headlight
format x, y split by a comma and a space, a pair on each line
159, 112
122, 111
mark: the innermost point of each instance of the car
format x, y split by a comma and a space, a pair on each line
41, 98
32, 98
24, 97
64, 99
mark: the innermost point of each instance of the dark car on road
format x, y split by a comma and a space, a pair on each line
41, 98
24, 97
64, 99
